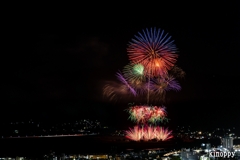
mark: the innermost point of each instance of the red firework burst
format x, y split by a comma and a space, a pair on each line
144, 114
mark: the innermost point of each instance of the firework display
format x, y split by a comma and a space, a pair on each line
154, 50
133, 84
148, 133
124, 81
149, 75
145, 114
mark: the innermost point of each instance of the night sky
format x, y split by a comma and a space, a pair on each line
58, 60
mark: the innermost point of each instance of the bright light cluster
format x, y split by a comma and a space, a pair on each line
145, 114
148, 133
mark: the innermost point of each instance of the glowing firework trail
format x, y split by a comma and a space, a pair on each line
162, 134
116, 91
124, 81
154, 50
135, 134
148, 133
109, 91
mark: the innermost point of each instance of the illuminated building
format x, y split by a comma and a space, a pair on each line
208, 146
227, 142
189, 155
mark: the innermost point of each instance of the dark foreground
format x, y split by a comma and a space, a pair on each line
79, 145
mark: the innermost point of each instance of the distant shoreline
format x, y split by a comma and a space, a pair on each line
91, 144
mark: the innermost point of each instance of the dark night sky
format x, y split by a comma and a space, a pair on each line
58, 60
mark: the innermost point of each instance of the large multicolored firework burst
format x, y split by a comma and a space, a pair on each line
151, 72
155, 50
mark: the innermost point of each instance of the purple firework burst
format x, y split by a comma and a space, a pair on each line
172, 84
161, 85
